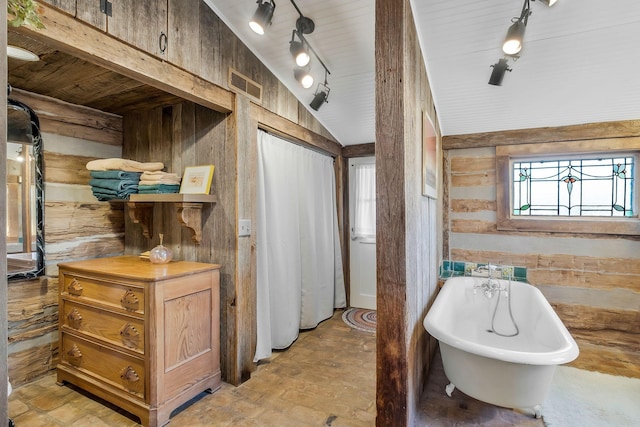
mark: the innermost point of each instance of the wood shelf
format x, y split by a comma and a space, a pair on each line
189, 210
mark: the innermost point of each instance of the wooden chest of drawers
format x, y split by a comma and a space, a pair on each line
145, 337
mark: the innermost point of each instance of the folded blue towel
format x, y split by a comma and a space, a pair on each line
113, 192
114, 184
108, 194
116, 175
103, 197
157, 192
104, 191
158, 189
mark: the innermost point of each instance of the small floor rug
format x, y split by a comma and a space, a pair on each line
583, 398
360, 319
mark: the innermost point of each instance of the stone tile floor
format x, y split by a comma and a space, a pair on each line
326, 378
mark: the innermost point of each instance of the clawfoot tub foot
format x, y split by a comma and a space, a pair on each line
538, 411
449, 389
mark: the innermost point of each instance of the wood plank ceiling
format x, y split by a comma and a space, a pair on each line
579, 63
73, 80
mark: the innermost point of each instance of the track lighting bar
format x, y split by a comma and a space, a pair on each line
300, 50
303, 24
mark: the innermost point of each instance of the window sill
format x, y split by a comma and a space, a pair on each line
616, 226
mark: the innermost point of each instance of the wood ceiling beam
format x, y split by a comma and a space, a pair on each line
616, 129
278, 125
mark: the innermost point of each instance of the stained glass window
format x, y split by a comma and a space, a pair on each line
603, 186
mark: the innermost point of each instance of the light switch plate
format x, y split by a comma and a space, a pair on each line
244, 227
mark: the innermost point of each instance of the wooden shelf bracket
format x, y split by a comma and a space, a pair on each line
190, 216
142, 213
189, 211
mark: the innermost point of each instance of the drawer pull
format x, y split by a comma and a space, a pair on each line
130, 336
130, 378
129, 301
74, 356
74, 318
75, 288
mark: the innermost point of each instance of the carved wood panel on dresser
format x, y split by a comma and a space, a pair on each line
145, 337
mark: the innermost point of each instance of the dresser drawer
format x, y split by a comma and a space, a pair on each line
119, 329
112, 367
118, 295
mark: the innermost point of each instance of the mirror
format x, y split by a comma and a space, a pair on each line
25, 195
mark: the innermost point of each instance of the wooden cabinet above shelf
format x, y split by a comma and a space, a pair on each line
189, 210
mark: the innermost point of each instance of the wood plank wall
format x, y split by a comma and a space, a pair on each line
186, 135
209, 137
203, 83
407, 226
593, 281
77, 226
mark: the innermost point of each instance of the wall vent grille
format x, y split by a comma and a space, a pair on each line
243, 84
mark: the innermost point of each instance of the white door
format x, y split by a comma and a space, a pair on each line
362, 242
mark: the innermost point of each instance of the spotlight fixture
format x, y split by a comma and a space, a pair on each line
303, 75
499, 69
513, 42
321, 95
515, 34
549, 2
299, 51
262, 18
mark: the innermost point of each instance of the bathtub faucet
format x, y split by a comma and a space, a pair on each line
489, 288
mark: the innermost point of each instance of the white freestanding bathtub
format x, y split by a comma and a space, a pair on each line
509, 371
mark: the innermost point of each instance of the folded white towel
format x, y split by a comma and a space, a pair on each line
123, 165
151, 175
159, 181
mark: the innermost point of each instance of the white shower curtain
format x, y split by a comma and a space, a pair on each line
300, 279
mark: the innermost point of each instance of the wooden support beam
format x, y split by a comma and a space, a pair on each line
360, 150
619, 129
278, 125
79, 39
3, 246
244, 130
392, 365
62, 118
